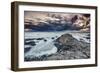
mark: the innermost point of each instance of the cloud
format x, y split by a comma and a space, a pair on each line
46, 21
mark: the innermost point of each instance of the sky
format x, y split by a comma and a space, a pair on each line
51, 21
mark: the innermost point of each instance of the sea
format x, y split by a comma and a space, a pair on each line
44, 42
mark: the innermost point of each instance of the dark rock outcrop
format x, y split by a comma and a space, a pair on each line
72, 48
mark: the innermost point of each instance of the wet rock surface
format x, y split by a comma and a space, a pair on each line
68, 48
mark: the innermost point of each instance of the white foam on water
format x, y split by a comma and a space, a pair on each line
42, 48
48, 47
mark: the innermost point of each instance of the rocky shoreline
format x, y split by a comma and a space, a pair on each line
68, 48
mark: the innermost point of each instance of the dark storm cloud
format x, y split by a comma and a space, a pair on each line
44, 21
